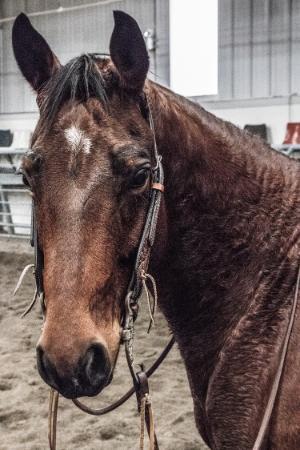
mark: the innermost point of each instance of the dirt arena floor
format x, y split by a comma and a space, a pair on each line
24, 396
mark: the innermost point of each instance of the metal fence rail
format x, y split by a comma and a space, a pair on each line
15, 200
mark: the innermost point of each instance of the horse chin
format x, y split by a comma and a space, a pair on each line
85, 391
90, 392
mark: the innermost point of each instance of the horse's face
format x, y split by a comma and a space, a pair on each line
89, 172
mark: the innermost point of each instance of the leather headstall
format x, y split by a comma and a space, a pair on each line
137, 280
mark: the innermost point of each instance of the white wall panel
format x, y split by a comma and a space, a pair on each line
295, 47
261, 57
259, 48
225, 48
242, 33
280, 47
162, 42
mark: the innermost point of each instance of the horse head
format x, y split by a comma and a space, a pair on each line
89, 172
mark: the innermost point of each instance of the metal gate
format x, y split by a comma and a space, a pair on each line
15, 200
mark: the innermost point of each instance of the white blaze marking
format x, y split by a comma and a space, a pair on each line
78, 140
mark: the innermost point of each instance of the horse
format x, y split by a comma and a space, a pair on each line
226, 251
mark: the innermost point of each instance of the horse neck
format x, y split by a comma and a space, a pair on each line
212, 159
231, 206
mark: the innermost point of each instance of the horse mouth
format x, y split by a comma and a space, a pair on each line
87, 391
71, 389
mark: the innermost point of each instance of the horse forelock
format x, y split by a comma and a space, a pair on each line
79, 80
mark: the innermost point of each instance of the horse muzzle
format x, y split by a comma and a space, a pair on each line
88, 377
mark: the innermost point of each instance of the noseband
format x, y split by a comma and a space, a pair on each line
135, 288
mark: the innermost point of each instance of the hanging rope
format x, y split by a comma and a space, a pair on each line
52, 418
152, 305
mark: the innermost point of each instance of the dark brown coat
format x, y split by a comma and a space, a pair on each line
226, 254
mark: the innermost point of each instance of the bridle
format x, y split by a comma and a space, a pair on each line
138, 283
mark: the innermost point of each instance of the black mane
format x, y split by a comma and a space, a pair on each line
80, 79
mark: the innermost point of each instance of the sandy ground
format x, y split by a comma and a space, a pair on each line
24, 396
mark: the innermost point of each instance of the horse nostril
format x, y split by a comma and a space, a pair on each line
96, 364
45, 367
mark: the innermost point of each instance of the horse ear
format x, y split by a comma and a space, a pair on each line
36, 60
128, 51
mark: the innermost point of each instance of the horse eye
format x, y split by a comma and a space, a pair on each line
140, 178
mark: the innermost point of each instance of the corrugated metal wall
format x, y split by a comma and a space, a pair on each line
259, 43
74, 32
259, 48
